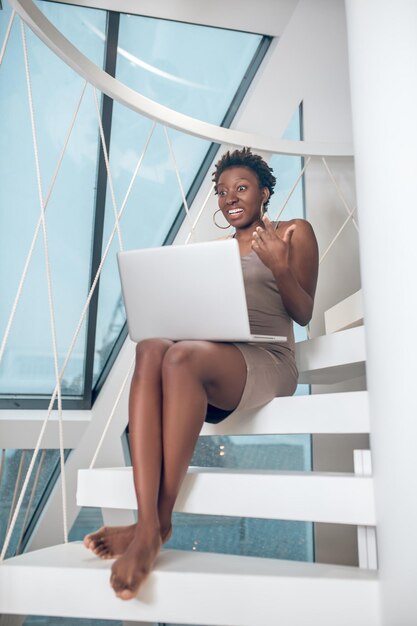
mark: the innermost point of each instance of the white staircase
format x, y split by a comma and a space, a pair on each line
192, 588
345, 314
332, 358
215, 589
20, 430
304, 496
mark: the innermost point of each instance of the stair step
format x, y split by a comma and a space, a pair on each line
20, 429
191, 587
345, 314
332, 358
339, 413
304, 496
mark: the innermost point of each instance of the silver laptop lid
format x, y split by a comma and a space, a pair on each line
193, 291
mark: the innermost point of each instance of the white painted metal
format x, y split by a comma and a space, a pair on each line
192, 588
7, 35
48, 532
135, 101
111, 453
332, 358
304, 496
57, 387
345, 314
20, 429
383, 52
367, 550
320, 413
51, 308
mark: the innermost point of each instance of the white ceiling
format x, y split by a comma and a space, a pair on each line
267, 17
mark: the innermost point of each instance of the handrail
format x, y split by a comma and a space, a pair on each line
113, 88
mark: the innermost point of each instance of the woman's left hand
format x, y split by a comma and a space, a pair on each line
273, 250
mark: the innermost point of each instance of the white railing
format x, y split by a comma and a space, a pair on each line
98, 79
113, 88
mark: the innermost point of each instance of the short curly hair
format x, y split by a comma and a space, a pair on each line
245, 158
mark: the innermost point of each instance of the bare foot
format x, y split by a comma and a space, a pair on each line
131, 569
109, 542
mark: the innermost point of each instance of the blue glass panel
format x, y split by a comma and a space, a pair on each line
287, 169
15, 465
176, 64
193, 69
243, 536
84, 27
28, 362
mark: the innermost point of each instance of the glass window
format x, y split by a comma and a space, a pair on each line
178, 65
28, 367
13, 468
195, 70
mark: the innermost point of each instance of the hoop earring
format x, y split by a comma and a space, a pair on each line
216, 224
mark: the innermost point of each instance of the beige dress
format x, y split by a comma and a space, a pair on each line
271, 367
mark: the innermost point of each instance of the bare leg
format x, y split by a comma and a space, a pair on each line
192, 373
210, 372
145, 407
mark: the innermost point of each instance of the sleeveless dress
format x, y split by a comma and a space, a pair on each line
271, 368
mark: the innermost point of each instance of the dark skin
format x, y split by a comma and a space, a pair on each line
173, 383
290, 251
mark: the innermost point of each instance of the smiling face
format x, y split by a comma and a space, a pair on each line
240, 196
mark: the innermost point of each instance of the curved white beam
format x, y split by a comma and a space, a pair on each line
54, 39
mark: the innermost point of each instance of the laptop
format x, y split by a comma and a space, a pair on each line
193, 291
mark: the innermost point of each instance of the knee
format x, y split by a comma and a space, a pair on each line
150, 352
180, 354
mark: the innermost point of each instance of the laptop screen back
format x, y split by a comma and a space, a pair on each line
193, 291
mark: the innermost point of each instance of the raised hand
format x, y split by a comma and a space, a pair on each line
273, 250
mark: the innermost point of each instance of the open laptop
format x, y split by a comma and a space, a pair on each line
193, 291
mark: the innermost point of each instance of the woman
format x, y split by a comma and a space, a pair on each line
177, 386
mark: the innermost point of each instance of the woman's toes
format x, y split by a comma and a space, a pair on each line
92, 540
125, 594
97, 548
116, 583
119, 586
102, 552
